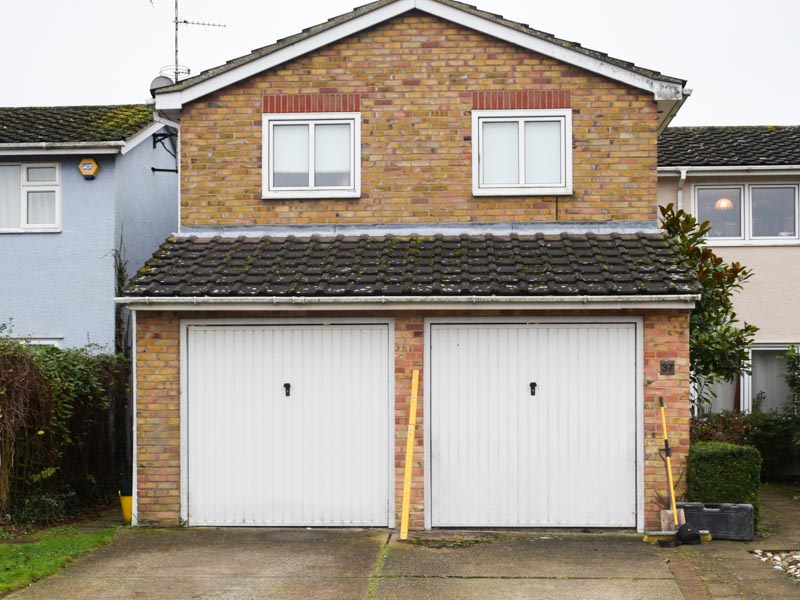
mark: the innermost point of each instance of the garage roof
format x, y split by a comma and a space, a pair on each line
465, 265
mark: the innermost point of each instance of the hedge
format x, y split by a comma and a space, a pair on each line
718, 472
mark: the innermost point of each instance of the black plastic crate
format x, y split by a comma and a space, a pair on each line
724, 521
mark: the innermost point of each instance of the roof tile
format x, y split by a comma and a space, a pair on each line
729, 146
396, 266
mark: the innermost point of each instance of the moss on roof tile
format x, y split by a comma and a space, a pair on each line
64, 124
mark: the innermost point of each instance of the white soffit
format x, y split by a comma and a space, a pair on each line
662, 90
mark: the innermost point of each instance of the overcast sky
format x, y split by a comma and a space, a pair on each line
740, 57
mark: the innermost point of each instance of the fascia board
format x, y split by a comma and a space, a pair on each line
138, 138
416, 303
54, 148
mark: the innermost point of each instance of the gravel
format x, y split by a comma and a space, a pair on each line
787, 561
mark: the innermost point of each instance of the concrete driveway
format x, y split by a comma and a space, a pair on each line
371, 563
323, 563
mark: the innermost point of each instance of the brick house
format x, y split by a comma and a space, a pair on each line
416, 184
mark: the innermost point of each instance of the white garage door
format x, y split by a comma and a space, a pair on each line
287, 425
533, 425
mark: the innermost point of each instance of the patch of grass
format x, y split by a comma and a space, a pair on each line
49, 551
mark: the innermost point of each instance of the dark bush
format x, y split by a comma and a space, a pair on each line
64, 411
770, 432
718, 472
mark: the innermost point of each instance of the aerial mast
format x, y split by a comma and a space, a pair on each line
178, 70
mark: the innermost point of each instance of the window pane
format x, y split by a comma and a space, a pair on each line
725, 396
500, 153
9, 196
773, 212
41, 174
723, 208
290, 156
332, 155
42, 208
543, 152
768, 372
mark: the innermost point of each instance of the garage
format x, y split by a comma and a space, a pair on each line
533, 424
287, 424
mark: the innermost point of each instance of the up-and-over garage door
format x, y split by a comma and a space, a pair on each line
533, 424
287, 425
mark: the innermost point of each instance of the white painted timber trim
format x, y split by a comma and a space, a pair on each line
143, 135
134, 462
38, 148
662, 90
416, 303
728, 170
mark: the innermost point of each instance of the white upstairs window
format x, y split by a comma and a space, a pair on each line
522, 152
312, 155
30, 197
752, 214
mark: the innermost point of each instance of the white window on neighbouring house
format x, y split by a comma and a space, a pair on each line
751, 214
764, 388
30, 197
521, 152
312, 155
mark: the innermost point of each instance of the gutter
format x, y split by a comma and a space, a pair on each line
723, 170
113, 147
273, 303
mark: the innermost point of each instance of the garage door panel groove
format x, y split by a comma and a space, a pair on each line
504, 456
257, 456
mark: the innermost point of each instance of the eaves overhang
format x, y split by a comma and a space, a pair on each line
407, 303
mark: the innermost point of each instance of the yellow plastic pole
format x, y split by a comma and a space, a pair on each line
412, 426
668, 456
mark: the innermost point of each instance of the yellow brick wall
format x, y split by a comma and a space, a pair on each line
415, 75
158, 418
158, 406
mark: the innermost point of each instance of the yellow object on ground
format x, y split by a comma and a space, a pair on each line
126, 502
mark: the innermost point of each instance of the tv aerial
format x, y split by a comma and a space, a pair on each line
177, 70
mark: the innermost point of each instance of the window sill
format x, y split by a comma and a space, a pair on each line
32, 230
715, 243
523, 191
310, 194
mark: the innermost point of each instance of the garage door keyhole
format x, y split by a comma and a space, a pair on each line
533, 388
287, 388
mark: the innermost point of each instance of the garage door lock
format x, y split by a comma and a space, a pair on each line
287, 388
533, 388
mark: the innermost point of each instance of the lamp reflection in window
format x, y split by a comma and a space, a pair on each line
723, 204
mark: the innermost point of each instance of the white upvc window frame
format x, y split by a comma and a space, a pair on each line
564, 187
42, 186
270, 191
746, 216
746, 387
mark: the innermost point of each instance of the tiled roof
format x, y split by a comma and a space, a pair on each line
729, 146
367, 8
465, 265
60, 124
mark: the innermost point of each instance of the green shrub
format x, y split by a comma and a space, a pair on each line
718, 472
61, 418
770, 432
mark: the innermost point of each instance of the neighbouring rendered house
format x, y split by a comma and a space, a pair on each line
415, 185
745, 181
77, 184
